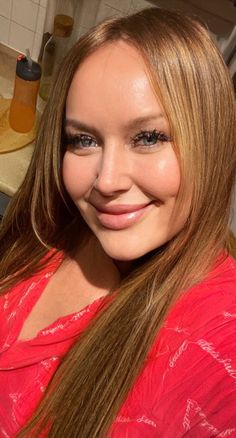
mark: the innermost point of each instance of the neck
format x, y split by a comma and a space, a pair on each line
124, 267
96, 264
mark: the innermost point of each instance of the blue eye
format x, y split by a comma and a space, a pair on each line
150, 138
79, 141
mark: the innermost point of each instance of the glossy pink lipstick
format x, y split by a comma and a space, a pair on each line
118, 217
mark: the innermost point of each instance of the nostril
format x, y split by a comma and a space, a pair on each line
112, 186
111, 180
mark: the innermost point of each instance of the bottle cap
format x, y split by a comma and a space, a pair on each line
24, 71
63, 25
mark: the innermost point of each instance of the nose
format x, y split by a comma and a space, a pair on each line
114, 171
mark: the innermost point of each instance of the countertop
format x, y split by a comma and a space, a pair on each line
13, 165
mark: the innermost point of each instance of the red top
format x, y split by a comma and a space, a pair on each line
187, 387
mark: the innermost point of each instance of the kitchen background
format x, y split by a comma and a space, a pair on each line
24, 22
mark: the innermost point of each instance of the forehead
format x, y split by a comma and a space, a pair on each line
113, 81
118, 60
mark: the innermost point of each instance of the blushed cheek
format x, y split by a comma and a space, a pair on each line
162, 178
169, 172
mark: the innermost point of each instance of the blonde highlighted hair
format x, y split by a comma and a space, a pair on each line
191, 80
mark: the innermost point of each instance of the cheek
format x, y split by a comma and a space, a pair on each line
77, 175
162, 177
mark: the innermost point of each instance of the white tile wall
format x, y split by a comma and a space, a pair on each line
87, 14
44, 3
22, 24
107, 11
4, 29
40, 20
5, 8
20, 37
137, 5
121, 5
24, 12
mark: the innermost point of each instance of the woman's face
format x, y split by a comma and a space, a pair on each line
120, 168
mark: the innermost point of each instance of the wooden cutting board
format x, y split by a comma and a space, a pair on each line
11, 140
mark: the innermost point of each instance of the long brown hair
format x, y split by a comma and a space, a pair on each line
192, 82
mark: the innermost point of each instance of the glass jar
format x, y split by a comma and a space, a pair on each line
54, 51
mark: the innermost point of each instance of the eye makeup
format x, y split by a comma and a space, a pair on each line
150, 138
145, 139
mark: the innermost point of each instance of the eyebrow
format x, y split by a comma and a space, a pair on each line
130, 124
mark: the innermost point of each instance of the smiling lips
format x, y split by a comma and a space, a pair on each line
118, 217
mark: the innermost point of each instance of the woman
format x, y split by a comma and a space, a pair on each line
114, 251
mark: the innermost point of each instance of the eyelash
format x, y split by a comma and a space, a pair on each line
158, 137
72, 141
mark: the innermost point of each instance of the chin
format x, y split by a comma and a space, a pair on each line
126, 251
119, 254
127, 245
